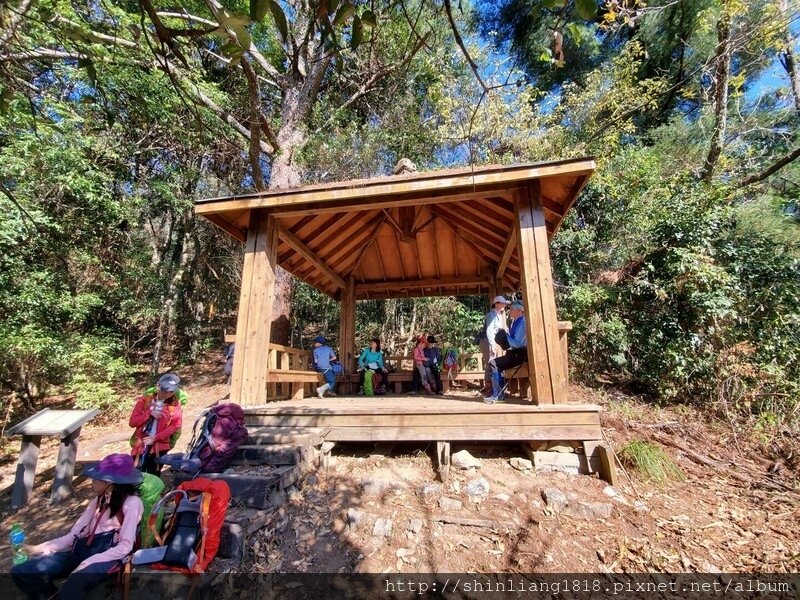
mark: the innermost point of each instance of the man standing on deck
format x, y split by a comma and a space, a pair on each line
494, 321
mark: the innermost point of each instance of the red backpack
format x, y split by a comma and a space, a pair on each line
188, 540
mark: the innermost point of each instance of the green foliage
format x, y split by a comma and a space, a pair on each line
651, 461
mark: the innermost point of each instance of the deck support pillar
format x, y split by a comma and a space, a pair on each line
254, 322
443, 460
545, 364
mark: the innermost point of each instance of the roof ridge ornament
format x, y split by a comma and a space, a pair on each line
404, 165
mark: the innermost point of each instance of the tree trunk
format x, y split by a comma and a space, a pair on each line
787, 57
721, 79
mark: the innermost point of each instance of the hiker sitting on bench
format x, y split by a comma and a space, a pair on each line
516, 355
103, 536
371, 359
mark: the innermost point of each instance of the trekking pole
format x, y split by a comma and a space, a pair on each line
508, 380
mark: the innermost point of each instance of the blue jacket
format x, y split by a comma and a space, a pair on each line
516, 335
322, 358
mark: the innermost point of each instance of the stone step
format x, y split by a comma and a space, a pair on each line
298, 436
239, 524
277, 454
251, 491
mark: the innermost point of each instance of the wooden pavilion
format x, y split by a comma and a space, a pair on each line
481, 230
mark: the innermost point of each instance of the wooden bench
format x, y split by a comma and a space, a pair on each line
64, 423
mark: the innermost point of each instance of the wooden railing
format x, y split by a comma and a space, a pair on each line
285, 358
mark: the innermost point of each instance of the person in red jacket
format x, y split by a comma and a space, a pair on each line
155, 419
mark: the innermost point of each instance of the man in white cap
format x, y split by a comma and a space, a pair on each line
495, 321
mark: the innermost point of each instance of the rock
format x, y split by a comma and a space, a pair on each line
457, 486
376, 487
415, 525
502, 497
521, 464
589, 510
464, 460
382, 528
610, 492
311, 479
614, 495
640, 506
354, 516
477, 487
450, 504
429, 489
564, 447
278, 498
554, 498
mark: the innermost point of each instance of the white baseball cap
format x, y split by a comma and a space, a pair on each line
501, 299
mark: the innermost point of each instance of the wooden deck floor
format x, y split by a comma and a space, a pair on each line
426, 418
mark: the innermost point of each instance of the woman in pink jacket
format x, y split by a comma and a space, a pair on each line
95, 546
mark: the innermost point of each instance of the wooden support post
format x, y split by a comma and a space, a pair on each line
347, 329
443, 460
297, 390
254, 321
545, 364
608, 468
65, 467
26, 470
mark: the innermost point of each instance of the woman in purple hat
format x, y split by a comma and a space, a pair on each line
95, 546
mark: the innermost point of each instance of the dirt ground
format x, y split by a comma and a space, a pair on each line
736, 509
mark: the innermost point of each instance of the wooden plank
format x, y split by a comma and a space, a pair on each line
306, 436
220, 221
354, 405
306, 252
294, 375
402, 284
252, 491
26, 470
482, 249
422, 185
53, 422
275, 454
65, 467
462, 434
475, 224
511, 243
321, 419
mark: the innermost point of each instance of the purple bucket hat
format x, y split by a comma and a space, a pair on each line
115, 468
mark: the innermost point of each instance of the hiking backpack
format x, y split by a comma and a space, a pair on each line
451, 360
150, 491
188, 539
225, 424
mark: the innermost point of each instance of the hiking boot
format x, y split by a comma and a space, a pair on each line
322, 389
332, 393
494, 399
360, 392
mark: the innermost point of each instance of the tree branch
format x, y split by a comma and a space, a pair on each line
14, 22
216, 8
473, 65
777, 165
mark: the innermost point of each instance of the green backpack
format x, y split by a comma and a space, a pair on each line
150, 492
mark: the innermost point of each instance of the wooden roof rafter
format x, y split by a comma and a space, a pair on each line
329, 232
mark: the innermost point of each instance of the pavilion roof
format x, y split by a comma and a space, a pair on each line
416, 234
